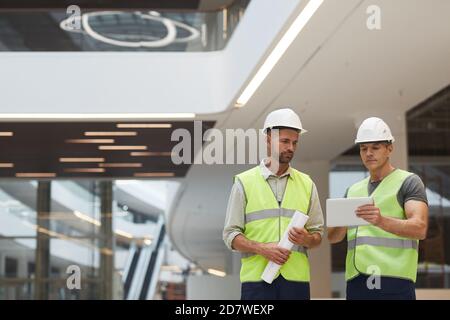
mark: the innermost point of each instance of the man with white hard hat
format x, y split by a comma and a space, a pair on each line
382, 257
261, 205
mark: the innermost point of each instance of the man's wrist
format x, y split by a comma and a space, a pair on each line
258, 248
382, 223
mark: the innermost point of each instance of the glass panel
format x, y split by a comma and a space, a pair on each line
75, 251
429, 152
434, 254
113, 30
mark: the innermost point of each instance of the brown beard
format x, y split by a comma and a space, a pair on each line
285, 157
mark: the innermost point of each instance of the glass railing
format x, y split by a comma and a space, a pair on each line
77, 29
45, 255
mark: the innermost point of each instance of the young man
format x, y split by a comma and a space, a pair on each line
382, 257
261, 205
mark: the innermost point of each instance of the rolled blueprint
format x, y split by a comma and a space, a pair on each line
298, 220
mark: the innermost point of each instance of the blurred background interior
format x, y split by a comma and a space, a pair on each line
90, 100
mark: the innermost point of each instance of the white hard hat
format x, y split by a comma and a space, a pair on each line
372, 130
283, 118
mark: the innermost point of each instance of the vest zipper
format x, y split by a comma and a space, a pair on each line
279, 222
280, 208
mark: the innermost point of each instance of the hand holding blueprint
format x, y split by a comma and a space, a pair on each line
298, 220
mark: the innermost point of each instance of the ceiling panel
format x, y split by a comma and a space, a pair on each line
37, 148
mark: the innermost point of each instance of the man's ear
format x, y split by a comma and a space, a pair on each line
390, 147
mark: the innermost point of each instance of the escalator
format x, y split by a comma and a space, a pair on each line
142, 269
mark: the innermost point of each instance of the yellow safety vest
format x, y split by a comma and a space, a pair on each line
266, 221
370, 249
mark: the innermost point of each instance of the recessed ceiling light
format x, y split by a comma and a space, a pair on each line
122, 147
154, 174
6, 165
81, 159
144, 125
110, 133
35, 174
281, 47
87, 218
123, 234
90, 141
85, 170
150, 154
218, 273
6, 134
120, 165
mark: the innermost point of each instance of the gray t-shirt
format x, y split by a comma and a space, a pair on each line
411, 189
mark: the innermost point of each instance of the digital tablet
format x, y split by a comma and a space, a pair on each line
341, 211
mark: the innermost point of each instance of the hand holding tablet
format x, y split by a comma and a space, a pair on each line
341, 211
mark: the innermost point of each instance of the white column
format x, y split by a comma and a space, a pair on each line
319, 258
399, 158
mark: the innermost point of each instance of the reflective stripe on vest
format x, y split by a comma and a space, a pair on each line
370, 246
295, 248
269, 213
383, 242
266, 221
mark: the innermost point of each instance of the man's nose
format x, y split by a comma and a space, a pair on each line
291, 147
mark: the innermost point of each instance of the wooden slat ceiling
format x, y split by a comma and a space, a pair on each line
37, 148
